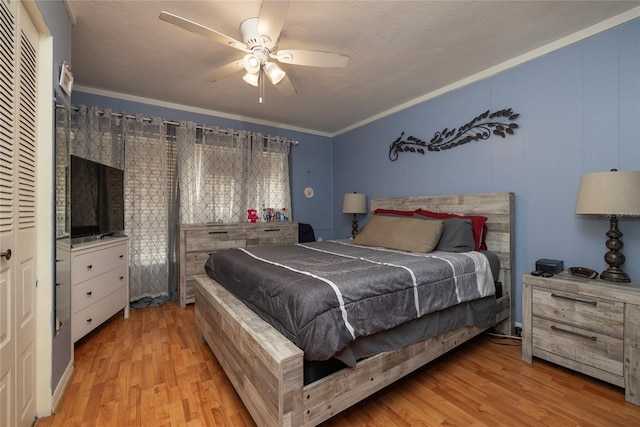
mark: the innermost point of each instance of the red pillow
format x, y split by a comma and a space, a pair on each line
381, 211
478, 224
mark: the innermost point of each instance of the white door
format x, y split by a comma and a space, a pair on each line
18, 80
7, 214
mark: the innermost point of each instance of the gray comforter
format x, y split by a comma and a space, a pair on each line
323, 295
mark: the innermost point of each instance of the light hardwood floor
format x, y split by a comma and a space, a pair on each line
152, 370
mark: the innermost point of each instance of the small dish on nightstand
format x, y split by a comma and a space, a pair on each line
584, 272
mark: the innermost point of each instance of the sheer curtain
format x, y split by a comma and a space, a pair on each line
224, 173
179, 173
147, 197
97, 135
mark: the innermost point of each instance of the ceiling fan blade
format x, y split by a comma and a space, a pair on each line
311, 58
285, 87
224, 71
271, 20
202, 30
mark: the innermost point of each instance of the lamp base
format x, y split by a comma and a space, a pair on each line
354, 226
615, 274
614, 257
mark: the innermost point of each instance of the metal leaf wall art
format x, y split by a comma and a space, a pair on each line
499, 123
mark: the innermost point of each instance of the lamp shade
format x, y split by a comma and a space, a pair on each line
354, 203
251, 63
252, 79
275, 73
609, 193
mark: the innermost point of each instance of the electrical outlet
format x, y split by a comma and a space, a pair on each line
518, 331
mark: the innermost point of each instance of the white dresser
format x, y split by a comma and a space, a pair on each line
99, 283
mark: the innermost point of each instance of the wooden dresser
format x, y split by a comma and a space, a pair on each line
198, 241
590, 326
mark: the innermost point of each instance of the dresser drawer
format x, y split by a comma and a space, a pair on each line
92, 263
586, 312
272, 234
92, 290
195, 262
215, 238
583, 346
95, 314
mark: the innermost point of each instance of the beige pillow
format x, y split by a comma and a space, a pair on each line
403, 233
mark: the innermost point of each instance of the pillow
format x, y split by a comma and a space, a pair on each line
457, 236
405, 234
478, 224
392, 212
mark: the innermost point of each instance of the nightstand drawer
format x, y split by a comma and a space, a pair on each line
586, 312
589, 348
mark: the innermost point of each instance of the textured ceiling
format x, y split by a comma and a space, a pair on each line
399, 51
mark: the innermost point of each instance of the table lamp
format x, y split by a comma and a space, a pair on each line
354, 203
613, 194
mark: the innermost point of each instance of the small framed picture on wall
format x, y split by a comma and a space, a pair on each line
66, 79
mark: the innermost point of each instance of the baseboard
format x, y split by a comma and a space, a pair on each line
62, 386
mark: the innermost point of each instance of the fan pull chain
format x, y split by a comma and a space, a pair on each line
261, 83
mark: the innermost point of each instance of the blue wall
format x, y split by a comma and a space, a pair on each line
57, 20
579, 112
310, 159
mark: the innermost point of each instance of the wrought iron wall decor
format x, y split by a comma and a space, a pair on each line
480, 128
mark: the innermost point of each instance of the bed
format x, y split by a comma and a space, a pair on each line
267, 369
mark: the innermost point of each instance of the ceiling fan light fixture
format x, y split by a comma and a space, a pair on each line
251, 63
251, 78
259, 46
274, 72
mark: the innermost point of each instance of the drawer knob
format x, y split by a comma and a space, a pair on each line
89, 267
89, 293
578, 334
586, 301
122, 256
121, 277
89, 320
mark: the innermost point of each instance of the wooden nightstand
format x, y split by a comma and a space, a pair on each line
590, 326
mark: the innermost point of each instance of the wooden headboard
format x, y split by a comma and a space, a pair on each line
499, 210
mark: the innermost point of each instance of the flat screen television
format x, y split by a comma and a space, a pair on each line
97, 198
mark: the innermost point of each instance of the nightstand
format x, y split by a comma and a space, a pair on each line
588, 325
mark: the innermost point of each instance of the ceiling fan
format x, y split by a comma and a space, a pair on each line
260, 36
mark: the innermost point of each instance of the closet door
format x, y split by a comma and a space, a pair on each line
25, 204
8, 29
17, 215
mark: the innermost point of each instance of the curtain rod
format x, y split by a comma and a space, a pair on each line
168, 122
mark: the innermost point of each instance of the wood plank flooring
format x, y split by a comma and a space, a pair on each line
152, 370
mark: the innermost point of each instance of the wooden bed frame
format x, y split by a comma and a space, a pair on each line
266, 369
